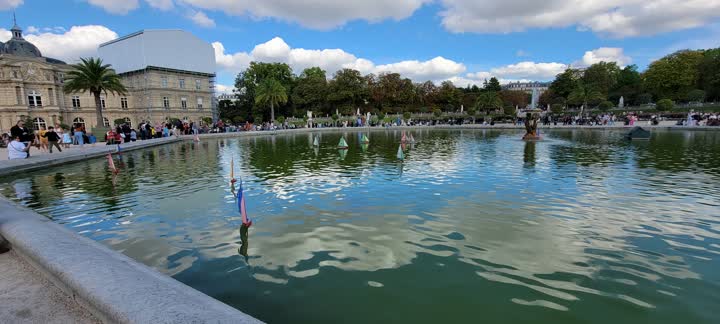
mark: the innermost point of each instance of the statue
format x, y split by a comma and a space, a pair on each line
531, 124
621, 103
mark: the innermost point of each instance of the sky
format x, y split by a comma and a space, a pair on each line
464, 41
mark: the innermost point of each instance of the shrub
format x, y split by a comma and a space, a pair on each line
121, 121
605, 105
406, 115
556, 108
696, 95
437, 112
281, 119
665, 105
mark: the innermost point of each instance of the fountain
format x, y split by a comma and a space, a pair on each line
531, 124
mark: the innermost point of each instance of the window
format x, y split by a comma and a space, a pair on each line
128, 122
181, 83
166, 102
76, 101
199, 102
123, 103
34, 99
39, 123
197, 84
78, 122
102, 102
18, 94
106, 122
183, 103
163, 80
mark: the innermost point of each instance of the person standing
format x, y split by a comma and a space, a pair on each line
17, 149
79, 135
52, 139
21, 132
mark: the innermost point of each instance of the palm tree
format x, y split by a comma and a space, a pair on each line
95, 77
488, 100
582, 94
270, 92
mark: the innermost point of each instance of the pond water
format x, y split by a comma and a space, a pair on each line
473, 226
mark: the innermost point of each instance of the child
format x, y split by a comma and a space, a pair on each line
67, 140
52, 139
133, 135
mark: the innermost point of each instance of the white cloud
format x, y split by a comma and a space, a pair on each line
604, 54
530, 70
521, 53
161, 4
79, 41
614, 18
317, 14
438, 68
119, 7
10, 4
201, 19
32, 30
222, 88
331, 60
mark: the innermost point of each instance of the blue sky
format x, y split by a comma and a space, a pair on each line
465, 41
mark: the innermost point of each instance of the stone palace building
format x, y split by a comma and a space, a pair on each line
162, 83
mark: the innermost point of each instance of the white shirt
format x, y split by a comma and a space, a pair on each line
16, 150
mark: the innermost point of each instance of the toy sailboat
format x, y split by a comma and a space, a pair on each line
342, 145
400, 154
364, 139
111, 164
316, 142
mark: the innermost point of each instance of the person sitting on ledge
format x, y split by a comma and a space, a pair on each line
17, 150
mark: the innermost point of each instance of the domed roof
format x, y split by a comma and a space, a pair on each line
17, 45
21, 47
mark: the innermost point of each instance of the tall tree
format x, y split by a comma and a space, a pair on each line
514, 98
584, 95
449, 95
271, 92
601, 77
311, 90
565, 83
488, 100
710, 74
348, 89
95, 77
673, 76
493, 85
628, 86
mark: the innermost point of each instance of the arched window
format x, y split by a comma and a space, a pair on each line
39, 123
106, 122
80, 121
128, 122
34, 99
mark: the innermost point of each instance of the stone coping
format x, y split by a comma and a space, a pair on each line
113, 287
48, 160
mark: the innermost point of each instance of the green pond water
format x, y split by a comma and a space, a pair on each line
474, 226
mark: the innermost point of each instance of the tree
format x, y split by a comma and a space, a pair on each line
556, 109
644, 99
605, 105
629, 85
348, 88
311, 90
696, 95
601, 77
271, 92
95, 77
488, 101
565, 83
710, 74
665, 105
514, 98
448, 95
584, 95
673, 76
493, 85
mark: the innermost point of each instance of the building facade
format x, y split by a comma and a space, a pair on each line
527, 86
31, 87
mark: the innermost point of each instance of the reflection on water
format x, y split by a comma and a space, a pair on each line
471, 226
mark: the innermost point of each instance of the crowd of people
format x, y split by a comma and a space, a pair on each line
21, 139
